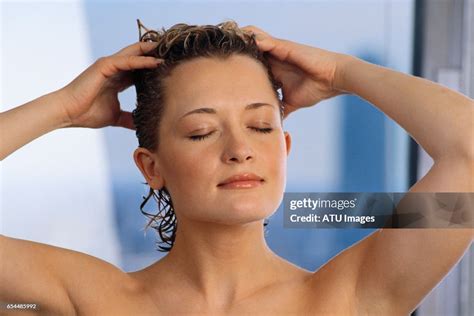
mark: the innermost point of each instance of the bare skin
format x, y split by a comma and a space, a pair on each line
387, 273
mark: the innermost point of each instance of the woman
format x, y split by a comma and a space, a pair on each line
209, 128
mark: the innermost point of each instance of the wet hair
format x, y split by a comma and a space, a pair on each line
176, 45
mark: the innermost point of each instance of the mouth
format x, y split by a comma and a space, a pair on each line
242, 184
242, 181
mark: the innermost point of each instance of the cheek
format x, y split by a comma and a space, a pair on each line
187, 170
190, 177
277, 158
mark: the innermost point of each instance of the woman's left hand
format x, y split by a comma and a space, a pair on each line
308, 75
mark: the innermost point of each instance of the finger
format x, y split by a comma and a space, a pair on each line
109, 66
279, 48
94, 77
121, 81
259, 33
136, 49
125, 120
274, 46
280, 69
267, 43
288, 108
286, 51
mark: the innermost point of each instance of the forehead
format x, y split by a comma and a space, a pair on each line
217, 82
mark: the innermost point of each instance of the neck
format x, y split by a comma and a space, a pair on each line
223, 263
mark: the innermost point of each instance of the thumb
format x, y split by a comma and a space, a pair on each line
125, 120
288, 108
279, 69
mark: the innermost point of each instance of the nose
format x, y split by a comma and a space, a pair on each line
237, 149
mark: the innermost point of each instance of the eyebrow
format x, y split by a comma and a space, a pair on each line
250, 106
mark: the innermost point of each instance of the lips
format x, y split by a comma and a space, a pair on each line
242, 177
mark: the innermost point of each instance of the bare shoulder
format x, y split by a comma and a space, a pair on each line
97, 287
58, 280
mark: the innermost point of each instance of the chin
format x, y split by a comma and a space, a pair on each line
243, 212
238, 220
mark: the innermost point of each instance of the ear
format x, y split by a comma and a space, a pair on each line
288, 142
147, 162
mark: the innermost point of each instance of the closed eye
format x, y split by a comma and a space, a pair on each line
256, 129
262, 130
199, 137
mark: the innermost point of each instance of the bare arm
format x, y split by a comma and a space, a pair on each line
31, 272
401, 266
439, 119
27, 122
90, 100
395, 268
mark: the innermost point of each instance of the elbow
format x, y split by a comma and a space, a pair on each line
463, 145
467, 151
465, 135
468, 147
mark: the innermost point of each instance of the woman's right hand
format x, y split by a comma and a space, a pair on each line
91, 99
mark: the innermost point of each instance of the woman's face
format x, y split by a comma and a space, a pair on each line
199, 150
